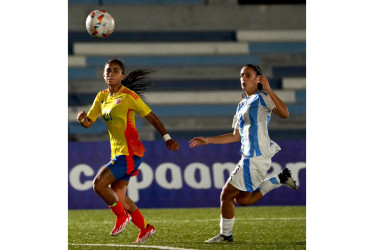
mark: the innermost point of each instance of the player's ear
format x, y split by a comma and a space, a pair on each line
123, 76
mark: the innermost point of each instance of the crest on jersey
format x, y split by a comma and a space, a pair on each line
118, 101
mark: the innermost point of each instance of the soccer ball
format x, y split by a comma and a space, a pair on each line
100, 24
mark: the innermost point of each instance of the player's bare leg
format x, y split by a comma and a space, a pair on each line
101, 186
146, 230
228, 194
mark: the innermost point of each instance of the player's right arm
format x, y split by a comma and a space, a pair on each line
220, 139
84, 120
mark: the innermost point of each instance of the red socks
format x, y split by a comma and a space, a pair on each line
138, 219
118, 209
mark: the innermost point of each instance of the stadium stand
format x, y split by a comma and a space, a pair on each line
196, 49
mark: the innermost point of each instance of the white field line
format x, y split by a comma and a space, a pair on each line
141, 246
238, 219
207, 220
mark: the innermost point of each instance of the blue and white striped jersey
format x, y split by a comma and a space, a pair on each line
251, 119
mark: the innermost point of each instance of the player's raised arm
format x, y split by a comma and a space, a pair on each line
280, 108
170, 143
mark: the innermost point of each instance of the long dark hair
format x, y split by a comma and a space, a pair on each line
135, 80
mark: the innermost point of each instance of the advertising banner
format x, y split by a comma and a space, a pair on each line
184, 179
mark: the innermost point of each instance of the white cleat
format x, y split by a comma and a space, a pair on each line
220, 238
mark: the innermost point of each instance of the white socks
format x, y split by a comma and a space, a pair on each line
226, 226
269, 184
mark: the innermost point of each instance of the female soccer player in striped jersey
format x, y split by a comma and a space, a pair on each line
117, 105
247, 184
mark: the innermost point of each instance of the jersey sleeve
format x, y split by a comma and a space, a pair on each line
235, 122
95, 109
139, 106
266, 101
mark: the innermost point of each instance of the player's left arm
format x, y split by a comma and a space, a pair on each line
153, 119
280, 108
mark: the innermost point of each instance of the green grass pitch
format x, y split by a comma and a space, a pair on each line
261, 227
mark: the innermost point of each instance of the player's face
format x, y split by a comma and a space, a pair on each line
248, 80
113, 74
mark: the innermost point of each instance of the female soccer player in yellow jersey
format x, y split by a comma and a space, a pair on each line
117, 106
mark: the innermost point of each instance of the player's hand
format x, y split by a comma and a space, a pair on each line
81, 115
198, 141
264, 81
172, 145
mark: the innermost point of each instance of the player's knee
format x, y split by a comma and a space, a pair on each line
229, 192
225, 195
96, 185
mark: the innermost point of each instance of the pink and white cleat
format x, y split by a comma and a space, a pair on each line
145, 234
121, 224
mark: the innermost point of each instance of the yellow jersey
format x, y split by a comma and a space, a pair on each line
118, 111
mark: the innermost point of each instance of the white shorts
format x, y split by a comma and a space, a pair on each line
250, 173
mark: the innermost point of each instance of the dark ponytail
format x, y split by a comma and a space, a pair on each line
135, 79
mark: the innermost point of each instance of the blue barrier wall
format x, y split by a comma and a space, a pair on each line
187, 178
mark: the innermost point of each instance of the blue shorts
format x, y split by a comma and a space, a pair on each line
123, 166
